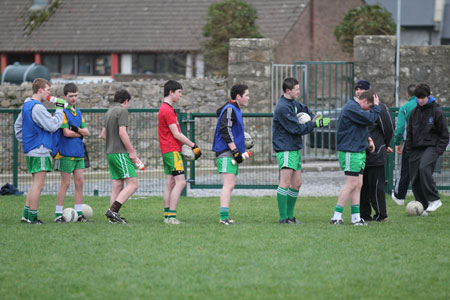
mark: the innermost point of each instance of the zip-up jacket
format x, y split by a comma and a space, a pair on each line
287, 132
352, 132
229, 128
427, 128
381, 133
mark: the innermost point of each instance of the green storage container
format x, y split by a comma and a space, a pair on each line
18, 73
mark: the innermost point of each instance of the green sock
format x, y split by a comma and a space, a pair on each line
282, 202
171, 214
32, 215
354, 209
224, 213
291, 199
166, 212
26, 209
338, 210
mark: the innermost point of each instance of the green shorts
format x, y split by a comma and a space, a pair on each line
290, 159
173, 163
224, 165
69, 165
352, 162
120, 166
37, 164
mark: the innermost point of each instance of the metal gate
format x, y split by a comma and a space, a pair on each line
324, 87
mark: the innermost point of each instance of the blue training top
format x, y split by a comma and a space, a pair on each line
219, 144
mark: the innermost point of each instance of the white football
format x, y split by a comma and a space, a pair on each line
414, 208
70, 214
187, 153
248, 141
303, 118
87, 211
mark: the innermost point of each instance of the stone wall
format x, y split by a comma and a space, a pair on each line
249, 62
375, 61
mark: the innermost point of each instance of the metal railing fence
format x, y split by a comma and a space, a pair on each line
143, 132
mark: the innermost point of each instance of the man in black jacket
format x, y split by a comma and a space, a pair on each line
372, 190
426, 140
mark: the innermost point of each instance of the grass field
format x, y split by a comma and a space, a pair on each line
407, 258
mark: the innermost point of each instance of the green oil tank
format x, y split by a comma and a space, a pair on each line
18, 73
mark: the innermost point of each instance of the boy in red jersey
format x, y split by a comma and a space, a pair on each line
170, 140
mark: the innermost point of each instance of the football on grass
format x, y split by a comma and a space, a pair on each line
87, 211
248, 141
303, 118
414, 208
187, 153
70, 214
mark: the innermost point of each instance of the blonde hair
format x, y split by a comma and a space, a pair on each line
40, 83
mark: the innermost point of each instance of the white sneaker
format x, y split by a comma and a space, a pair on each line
166, 220
399, 202
433, 205
424, 214
174, 221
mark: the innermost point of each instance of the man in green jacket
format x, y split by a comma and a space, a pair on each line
402, 180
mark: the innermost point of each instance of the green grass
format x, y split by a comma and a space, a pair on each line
407, 258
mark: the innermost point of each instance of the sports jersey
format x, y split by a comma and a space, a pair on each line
116, 117
166, 117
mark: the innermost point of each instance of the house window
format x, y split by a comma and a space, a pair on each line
67, 64
20, 58
78, 64
51, 62
161, 63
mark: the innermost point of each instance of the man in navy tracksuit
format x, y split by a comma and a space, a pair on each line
287, 143
372, 191
352, 141
427, 138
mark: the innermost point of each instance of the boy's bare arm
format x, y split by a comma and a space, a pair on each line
70, 134
103, 134
126, 141
179, 136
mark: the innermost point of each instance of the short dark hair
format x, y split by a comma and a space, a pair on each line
121, 96
238, 89
70, 88
411, 89
171, 85
289, 83
367, 95
422, 90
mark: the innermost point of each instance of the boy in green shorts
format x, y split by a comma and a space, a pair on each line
287, 142
352, 141
70, 156
120, 154
34, 128
229, 144
170, 140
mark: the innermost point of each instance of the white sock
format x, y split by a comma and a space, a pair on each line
79, 207
356, 217
59, 209
337, 215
